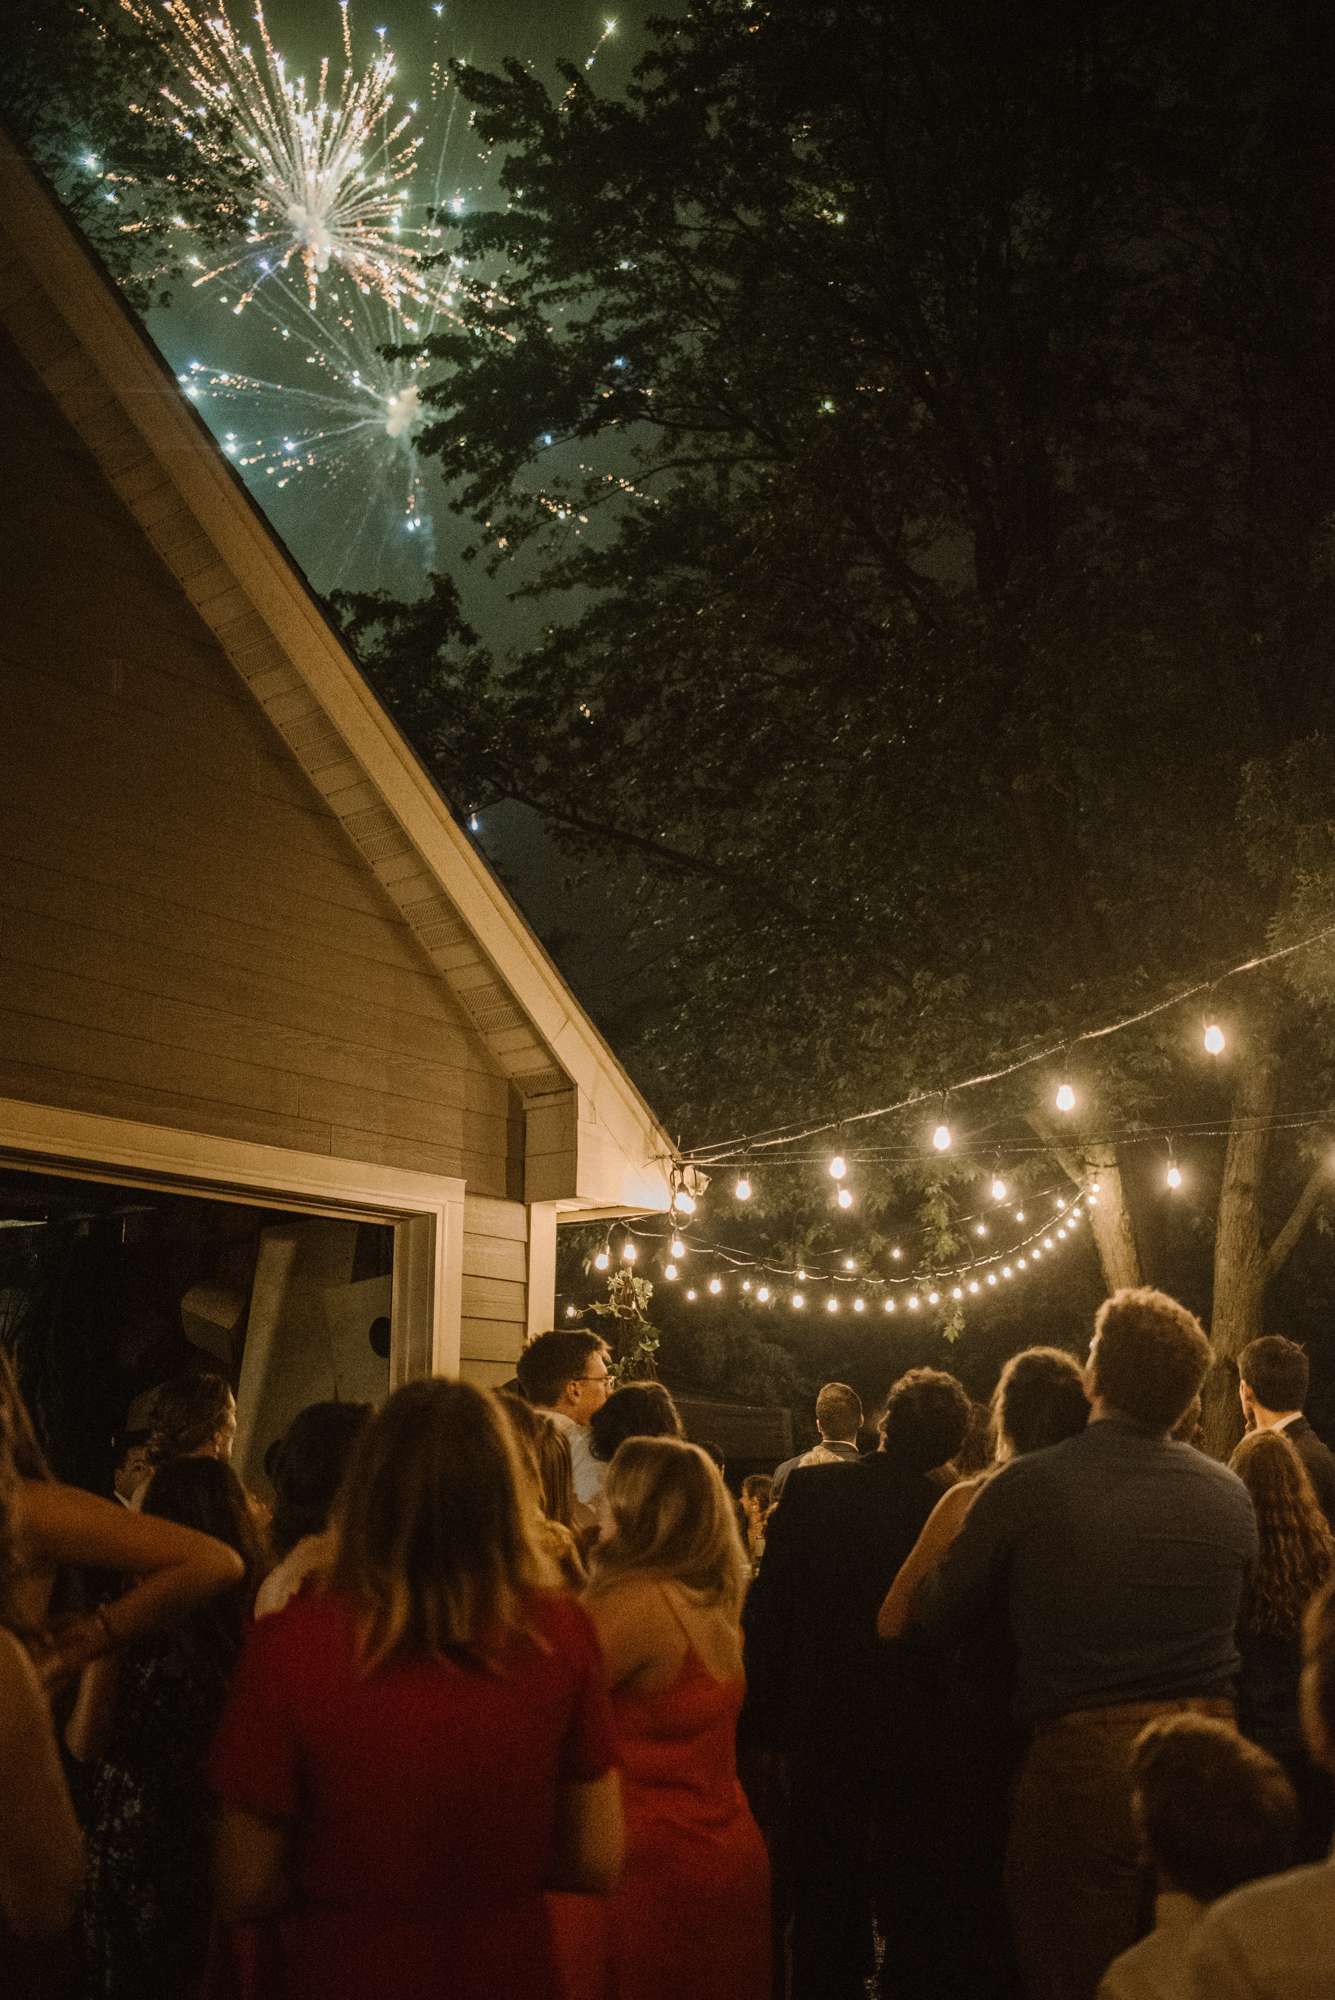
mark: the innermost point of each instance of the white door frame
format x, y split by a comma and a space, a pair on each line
425, 1210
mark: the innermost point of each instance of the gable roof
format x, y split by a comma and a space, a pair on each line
592, 1138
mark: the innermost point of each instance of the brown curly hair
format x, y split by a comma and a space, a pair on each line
1297, 1548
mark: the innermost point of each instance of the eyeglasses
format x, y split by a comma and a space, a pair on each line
602, 1380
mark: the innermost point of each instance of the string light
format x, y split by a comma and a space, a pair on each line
716, 1284
602, 1260
690, 1295
857, 1305
896, 1253
1065, 1098
850, 1264
678, 1247
831, 1305
763, 1295
571, 1313
889, 1305
941, 1138
746, 1284
683, 1203
1214, 1039
998, 1189
671, 1271
798, 1300
838, 1167
845, 1198
743, 1189
628, 1251
913, 1301
1174, 1177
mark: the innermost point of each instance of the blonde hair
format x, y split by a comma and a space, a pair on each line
437, 1532
673, 1520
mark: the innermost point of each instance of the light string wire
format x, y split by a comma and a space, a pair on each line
771, 1136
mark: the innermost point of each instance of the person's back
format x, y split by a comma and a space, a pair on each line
409, 1756
1120, 1558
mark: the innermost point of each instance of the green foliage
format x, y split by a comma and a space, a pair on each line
80, 82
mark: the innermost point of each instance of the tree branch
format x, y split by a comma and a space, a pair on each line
1278, 1254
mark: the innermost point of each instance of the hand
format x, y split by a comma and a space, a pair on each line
71, 1644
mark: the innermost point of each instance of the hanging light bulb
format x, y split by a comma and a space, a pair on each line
678, 1247
889, 1305
628, 1251
1174, 1177
743, 1189
802, 1274
941, 1138
716, 1284
831, 1305
601, 1261
934, 1298
746, 1284
671, 1271
1066, 1098
896, 1253
690, 1295
763, 1294
857, 1305
683, 1203
571, 1312
845, 1198
1214, 1039
998, 1189
956, 1293
913, 1300
838, 1167
798, 1300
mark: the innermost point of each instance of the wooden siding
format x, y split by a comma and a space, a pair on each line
495, 1289
188, 935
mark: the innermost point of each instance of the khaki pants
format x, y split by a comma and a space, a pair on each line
1073, 1875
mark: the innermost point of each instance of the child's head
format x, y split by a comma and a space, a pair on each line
1214, 1811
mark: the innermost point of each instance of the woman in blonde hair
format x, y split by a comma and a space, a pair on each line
1296, 1557
408, 1761
691, 1912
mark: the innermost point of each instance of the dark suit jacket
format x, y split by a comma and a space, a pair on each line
818, 1679
1319, 1461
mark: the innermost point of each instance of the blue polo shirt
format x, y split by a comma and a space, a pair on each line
1120, 1561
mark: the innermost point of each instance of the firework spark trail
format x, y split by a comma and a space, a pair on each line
349, 426
334, 167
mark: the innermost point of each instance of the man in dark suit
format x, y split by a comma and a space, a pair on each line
856, 1719
1272, 1382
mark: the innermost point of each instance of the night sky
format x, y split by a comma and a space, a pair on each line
344, 521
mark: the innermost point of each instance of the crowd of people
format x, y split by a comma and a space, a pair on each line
505, 1694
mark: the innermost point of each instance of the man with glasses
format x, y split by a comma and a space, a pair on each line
566, 1375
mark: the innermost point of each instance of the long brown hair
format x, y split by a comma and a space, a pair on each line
1297, 1547
437, 1546
204, 1494
546, 1457
672, 1520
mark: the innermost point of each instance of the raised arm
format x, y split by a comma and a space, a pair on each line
177, 1568
41, 1854
942, 1525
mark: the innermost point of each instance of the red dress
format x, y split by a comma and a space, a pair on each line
423, 1798
689, 1919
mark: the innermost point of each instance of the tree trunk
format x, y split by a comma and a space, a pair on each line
1242, 1263
1109, 1216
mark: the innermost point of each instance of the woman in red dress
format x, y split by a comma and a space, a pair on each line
690, 1914
407, 1762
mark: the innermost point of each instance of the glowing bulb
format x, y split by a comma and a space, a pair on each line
763, 1294
801, 1274
991, 1277
746, 1284
998, 1190
1093, 1187
600, 1262
683, 1203
671, 1271
1174, 1177
1061, 1232
716, 1284
1035, 1255
570, 1312
934, 1298
798, 1300
941, 1138
1214, 1039
743, 1189
628, 1251
913, 1302
1093, 1200
1006, 1271
690, 1295
857, 1305
831, 1305
1019, 1264
896, 1253
889, 1305
678, 1247
838, 1167
957, 1293
1047, 1243
850, 1264
845, 1198
1019, 1215
981, 1230
1066, 1098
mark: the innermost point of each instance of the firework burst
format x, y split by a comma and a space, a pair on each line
334, 164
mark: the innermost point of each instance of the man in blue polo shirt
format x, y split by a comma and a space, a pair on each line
1120, 1558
